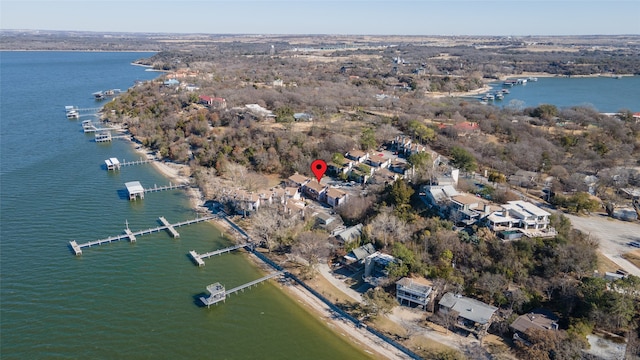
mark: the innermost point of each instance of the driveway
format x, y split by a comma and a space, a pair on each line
613, 236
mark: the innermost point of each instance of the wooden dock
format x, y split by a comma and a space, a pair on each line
135, 162
169, 227
218, 293
171, 186
198, 258
132, 236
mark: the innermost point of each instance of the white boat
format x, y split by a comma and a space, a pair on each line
73, 114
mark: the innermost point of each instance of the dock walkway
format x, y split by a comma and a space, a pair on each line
171, 186
197, 258
218, 293
128, 234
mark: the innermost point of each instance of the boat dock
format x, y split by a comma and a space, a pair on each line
136, 191
115, 164
197, 258
171, 186
218, 293
169, 227
88, 127
132, 236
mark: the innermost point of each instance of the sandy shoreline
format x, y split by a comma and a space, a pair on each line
361, 338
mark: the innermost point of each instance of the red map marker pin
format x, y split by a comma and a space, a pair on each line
319, 167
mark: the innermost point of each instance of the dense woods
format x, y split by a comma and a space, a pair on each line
341, 90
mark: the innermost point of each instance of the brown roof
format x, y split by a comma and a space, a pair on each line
335, 193
537, 319
299, 179
467, 199
314, 185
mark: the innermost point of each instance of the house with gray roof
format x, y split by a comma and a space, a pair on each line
354, 260
471, 315
350, 234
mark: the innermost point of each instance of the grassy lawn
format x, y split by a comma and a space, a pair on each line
604, 264
633, 257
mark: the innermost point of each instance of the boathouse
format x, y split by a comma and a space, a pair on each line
135, 190
112, 164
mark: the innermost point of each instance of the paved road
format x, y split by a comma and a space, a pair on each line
613, 235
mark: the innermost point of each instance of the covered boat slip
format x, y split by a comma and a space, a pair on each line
112, 164
135, 190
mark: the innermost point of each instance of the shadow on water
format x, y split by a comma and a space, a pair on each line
196, 299
123, 194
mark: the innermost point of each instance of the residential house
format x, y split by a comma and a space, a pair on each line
171, 82
413, 292
470, 314
357, 156
245, 202
464, 208
467, 128
402, 168
538, 319
376, 268
205, 100
294, 208
354, 260
337, 169
282, 195
315, 190
297, 180
384, 176
437, 196
378, 161
350, 234
401, 142
324, 219
518, 214
336, 197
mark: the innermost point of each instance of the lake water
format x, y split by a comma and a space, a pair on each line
603, 93
123, 300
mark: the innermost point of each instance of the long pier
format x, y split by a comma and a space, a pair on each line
197, 258
171, 186
218, 293
132, 236
136, 162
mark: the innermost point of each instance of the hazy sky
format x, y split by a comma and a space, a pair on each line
374, 17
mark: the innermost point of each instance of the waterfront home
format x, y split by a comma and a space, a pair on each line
413, 292
354, 260
470, 314
376, 268
245, 202
350, 234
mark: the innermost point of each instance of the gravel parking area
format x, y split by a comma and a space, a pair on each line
614, 237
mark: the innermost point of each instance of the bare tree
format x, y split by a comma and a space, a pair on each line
311, 246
